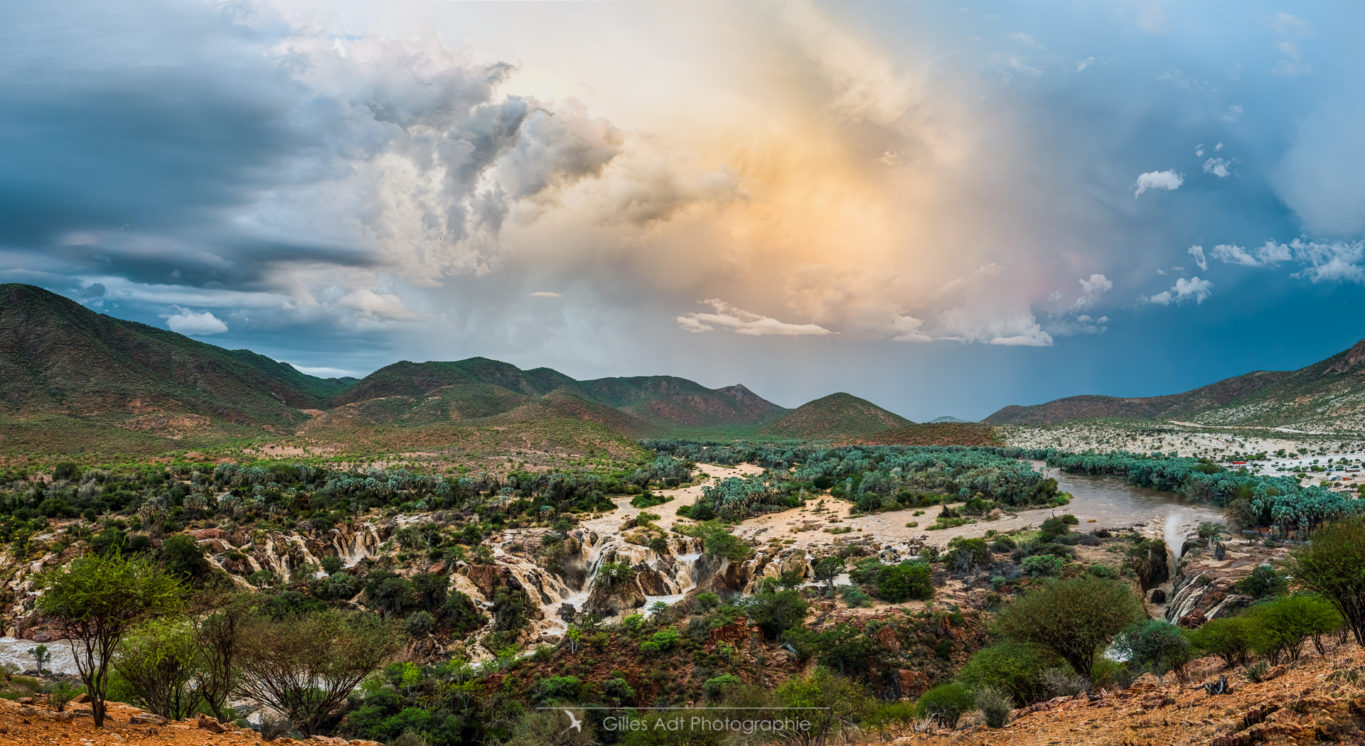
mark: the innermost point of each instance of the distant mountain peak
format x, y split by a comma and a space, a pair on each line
1350, 359
1319, 398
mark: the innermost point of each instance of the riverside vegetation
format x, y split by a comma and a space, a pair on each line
232, 589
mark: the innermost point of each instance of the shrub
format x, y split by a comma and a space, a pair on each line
1230, 639
995, 705
722, 543
1282, 625
558, 689
947, 703
1063, 682
1333, 564
660, 641
1013, 667
60, 694
1043, 566
307, 666
618, 689
1155, 644
908, 580
776, 612
419, 624
1073, 618
1263, 582
159, 661
854, 596
717, 687
705, 601
1256, 672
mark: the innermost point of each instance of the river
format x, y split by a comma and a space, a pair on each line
14, 651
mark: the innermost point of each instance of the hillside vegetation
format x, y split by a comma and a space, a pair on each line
83, 382
1328, 396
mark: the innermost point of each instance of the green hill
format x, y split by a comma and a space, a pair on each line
59, 358
1328, 396
77, 380
836, 416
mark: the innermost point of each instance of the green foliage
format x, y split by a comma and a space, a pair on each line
1073, 618
721, 543
1263, 582
947, 703
660, 641
1333, 564
97, 600
558, 689
1156, 644
1283, 624
1043, 566
902, 582
1230, 638
1015, 668
775, 612
717, 687
160, 661
184, 558
614, 574
306, 667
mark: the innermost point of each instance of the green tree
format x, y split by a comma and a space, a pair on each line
1229, 638
160, 662
184, 558
1072, 618
1016, 668
1155, 644
96, 601
1333, 564
776, 612
897, 583
218, 638
307, 666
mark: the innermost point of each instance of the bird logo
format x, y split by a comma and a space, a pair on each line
574, 723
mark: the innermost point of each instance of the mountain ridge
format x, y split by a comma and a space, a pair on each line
1328, 395
67, 361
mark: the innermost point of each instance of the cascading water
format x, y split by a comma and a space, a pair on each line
1175, 540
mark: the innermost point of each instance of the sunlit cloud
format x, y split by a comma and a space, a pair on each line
725, 316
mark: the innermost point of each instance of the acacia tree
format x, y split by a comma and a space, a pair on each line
95, 602
1073, 618
159, 661
305, 667
217, 636
1333, 564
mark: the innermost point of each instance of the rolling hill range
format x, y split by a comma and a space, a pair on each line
77, 379
1328, 396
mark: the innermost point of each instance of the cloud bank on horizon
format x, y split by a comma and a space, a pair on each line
766, 192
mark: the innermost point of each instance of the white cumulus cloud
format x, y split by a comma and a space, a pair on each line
1220, 167
1193, 288
185, 321
1168, 180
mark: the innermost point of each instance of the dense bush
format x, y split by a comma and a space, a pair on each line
1230, 638
1073, 618
947, 703
1016, 668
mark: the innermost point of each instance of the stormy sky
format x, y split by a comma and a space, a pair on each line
942, 207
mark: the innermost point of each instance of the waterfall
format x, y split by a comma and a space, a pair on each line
1175, 541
